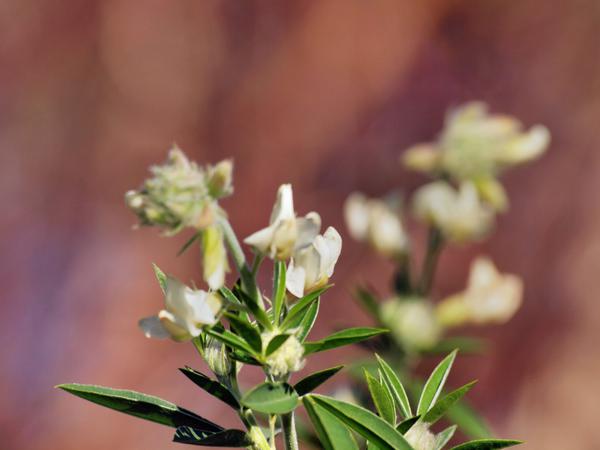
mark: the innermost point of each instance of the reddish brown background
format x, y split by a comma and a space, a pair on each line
324, 94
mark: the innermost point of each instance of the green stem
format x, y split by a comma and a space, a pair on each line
435, 244
288, 426
402, 283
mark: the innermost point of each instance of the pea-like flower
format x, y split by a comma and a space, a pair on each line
286, 232
376, 222
286, 359
419, 437
490, 297
459, 214
214, 257
412, 322
312, 266
186, 312
181, 194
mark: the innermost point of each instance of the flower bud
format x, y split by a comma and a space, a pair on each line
214, 257
215, 355
422, 158
419, 437
220, 179
460, 215
412, 322
286, 359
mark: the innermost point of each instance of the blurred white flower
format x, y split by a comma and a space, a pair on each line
412, 322
420, 438
186, 312
312, 266
490, 297
285, 233
374, 221
286, 359
214, 257
181, 194
460, 215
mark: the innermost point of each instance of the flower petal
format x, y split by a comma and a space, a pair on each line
294, 279
284, 205
153, 328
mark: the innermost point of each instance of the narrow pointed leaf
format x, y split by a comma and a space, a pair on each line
271, 398
468, 420
341, 338
367, 301
308, 320
234, 341
213, 387
161, 277
295, 313
443, 404
486, 444
332, 433
257, 310
395, 386
188, 244
314, 380
434, 385
141, 405
275, 343
247, 332
464, 344
382, 399
225, 438
279, 275
364, 422
443, 437
406, 425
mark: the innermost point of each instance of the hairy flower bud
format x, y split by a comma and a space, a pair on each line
412, 322
215, 355
286, 359
420, 438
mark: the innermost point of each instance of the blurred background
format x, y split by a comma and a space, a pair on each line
324, 94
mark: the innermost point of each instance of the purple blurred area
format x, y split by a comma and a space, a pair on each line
324, 94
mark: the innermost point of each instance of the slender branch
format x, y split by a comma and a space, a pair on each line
435, 244
288, 426
402, 282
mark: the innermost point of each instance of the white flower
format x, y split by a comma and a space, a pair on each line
420, 438
490, 297
186, 312
372, 220
312, 266
412, 322
460, 215
214, 257
287, 358
285, 232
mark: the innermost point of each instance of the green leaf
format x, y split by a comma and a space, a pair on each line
234, 341
213, 387
443, 437
314, 380
442, 405
271, 398
341, 338
486, 444
246, 331
279, 274
465, 345
141, 405
333, 434
225, 438
257, 310
469, 421
367, 301
161, 277
405, 425
188, 244
308, 320
297, 310
363, 422
395, 386
382, 399
276, 342
435, 384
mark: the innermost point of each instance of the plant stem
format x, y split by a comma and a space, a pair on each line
402, 283
288, 426
435, 244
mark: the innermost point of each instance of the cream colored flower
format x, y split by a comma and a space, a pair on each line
374, 221
286, 359
186, 312
214, 257
420, 438
490, 297
285, 233
181, 194
412, 322
460, 215
312, 266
